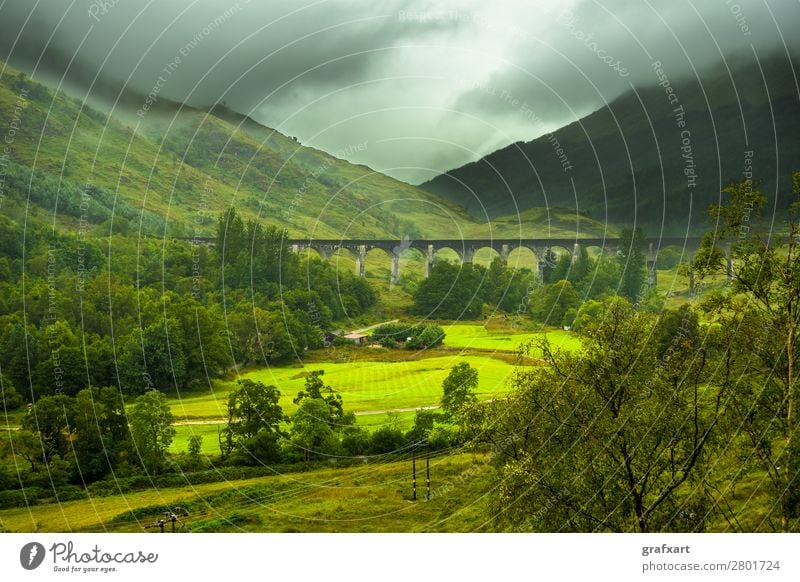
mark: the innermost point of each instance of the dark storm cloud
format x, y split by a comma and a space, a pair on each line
246, 48
426, 85
592, 52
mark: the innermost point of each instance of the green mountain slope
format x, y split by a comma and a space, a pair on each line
626, 162
178, 167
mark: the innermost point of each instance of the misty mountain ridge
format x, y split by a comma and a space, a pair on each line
651, 157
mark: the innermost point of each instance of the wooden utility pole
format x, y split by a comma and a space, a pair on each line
413, 474
428, 475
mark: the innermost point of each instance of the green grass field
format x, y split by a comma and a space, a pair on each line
385, 381
208, 432
364, 385
480, 338
373, 497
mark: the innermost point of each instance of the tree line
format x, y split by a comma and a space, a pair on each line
163, 314
568, 289
97, 434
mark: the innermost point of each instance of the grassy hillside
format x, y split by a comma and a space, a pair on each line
625, 161
373, 497
544, 222
187, 165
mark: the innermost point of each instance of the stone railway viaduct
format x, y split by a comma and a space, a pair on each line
542, 248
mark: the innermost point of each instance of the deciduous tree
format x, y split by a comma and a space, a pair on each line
632, 263
151, 421
612, 438
458, 389
762, 308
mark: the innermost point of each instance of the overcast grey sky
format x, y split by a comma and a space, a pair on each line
426, 85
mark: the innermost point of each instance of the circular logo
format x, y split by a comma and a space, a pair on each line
31, 555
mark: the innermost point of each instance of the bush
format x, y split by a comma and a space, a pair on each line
442, 437
590, 310
225, 524
7, 481
394, 332
33, 495
451, 292
259, 449
20, 498
428, 336
387, 342
386, 440
355, 441
419, 336
9, 397
669, 257
423, 424
553, 302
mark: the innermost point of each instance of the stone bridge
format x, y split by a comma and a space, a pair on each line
542, 248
